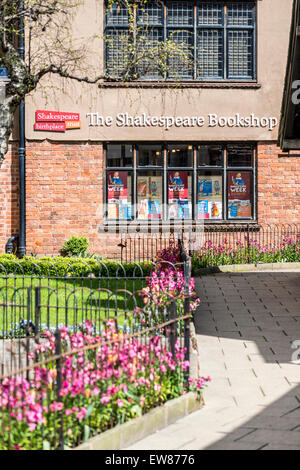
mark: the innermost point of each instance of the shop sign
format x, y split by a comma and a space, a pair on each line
55, 116
168, 122
50, 126
55, 121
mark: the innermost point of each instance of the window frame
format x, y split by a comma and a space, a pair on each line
195, 170
165, 29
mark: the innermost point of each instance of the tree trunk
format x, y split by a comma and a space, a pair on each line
6, 125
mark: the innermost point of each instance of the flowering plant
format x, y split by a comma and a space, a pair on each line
250, 251
100, 382
171, 254
167, 285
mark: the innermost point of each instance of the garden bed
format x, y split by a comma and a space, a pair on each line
238, 268
124, 435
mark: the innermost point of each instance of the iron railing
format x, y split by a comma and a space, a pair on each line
32, 301
197, 237
58, 388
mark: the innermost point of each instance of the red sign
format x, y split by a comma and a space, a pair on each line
178, 185
50, 126
117, 185
55, 116
239, 185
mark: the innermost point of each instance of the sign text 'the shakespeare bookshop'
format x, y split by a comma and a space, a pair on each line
167, 122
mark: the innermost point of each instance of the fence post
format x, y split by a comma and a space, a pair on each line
173, 314
187, 334
248, 243
28, 330
59, 386
37, 311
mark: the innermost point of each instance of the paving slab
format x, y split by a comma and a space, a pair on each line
245, 328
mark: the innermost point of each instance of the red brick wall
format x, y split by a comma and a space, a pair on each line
64, 184
9, 196
278, 186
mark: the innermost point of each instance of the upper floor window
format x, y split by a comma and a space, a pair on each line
180, 40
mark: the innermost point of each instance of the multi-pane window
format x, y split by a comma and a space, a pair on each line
186, 40
179, 181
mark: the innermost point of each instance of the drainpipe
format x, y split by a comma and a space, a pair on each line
10, 244
22, 236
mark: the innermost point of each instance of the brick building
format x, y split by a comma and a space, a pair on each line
196, 143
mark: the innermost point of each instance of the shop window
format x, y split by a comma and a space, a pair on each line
240, 156
210, 195
119, 195
210, 155
150, 195
180, 155
119, 156
181, 40
150, 155
164, 182
180, 194
240, 194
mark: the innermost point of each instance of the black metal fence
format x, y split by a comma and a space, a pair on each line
197, 238
123, 354
31, 301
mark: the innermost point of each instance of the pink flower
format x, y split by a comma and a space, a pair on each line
82, 413
56, 406
105, 399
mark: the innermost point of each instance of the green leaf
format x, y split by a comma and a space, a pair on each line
86, 432
89, 411
136, 410
46, 445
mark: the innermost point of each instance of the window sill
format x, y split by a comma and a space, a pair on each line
185, 85
153, 227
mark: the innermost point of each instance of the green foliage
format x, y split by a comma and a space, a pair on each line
75, 246
71, 267
287, 251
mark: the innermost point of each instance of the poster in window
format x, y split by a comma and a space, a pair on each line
178, 186
142, 187
239, 194
117, 186
210, 209
203, 212
149, 192
118, 205
209, 186
210, 195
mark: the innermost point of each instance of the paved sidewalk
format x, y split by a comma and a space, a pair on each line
246, 325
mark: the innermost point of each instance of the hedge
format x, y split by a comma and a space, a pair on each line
71, 267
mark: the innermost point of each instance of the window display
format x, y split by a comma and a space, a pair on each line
239, 194
202, 182
150, 195
179, 195
119, 195
210, 196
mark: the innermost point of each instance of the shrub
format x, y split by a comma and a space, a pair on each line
60, 266
75, 246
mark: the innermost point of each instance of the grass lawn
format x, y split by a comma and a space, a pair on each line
67, 301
